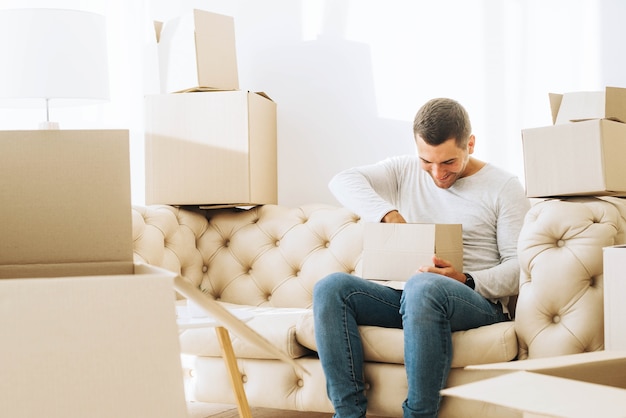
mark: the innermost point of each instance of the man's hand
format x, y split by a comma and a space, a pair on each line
443, 267
393, 217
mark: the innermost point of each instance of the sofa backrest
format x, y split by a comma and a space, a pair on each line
266, 256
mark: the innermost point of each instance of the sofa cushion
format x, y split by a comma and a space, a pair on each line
277, 325
488, 344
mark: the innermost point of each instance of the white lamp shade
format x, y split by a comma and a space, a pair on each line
54, 54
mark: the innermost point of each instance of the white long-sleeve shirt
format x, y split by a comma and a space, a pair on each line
490, 204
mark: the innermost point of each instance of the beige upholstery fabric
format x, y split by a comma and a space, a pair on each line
386, 345
265, 256
268, 258
277, 325
560, 305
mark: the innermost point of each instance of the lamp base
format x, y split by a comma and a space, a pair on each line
48, 125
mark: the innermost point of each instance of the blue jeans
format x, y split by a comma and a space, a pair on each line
429, 309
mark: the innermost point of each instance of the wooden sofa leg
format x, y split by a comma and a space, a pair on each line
233, 371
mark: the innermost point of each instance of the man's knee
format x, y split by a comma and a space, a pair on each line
423, 282
331, 285
424, 288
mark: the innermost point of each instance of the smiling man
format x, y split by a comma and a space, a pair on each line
444, 183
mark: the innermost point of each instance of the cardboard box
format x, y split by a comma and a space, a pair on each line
585, 105
581, 158
65, 203
394, 251
197, 51
85, 345
211, 148
614, 296
93, 346
578, 385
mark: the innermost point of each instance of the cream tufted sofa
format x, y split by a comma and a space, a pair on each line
265, 260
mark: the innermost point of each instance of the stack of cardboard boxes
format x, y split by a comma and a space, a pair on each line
581, 154
207, 142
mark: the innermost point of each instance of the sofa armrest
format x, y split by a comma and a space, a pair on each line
560, 304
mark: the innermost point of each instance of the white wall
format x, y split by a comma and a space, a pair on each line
348, 76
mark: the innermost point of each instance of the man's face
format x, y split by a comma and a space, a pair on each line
446, 162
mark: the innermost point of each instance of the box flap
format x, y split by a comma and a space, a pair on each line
158, 26
581, 105
216, 50
615, 104
585, 105
68, 269
599, 367
198, 49
545, 395
394, 251
555, 104
66, 200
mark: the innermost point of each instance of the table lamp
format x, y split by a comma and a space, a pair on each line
52, 57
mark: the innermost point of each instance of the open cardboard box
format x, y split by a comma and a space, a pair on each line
86, 332
578, 385
197, 51
585, 105
582, 153
211, 148
394, 251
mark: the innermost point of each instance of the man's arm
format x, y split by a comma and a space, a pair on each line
367, 190
503, 279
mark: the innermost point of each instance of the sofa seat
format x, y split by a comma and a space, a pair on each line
277, 325
292, 331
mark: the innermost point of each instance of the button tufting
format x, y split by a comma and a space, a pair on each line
556, 319
300, 383
277, 243
327, 244
560, 243
226, 242
205, 269
244, 378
